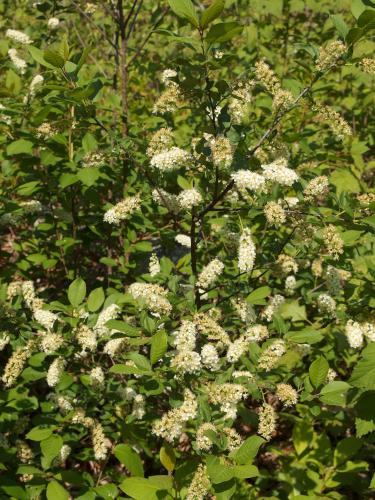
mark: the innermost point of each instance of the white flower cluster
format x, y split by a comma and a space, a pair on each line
273, 305
221, 151
19, 63
4, 340
154, 265
267, 421
110, 312
170, 159
162, 140
287, 394
326, 304
200, 484
53, 23
167, 75
290, 285
16, 363
186, 359
270, 356
45, 318
55, 371
210, 357
122, 210
18, 36
189, 198
227, 396
241, 97
245, 179
210, 273
274, 213
115, 346
97, 377
86, 337
35, 85
257, 333
277, 171
245, 310
356, 332
51, 342
237, 348
183, 240
246, 252
152, 295
316, 188
171, 425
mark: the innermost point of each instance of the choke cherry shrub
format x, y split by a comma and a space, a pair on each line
187, 305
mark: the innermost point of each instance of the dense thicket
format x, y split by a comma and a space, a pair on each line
187, 249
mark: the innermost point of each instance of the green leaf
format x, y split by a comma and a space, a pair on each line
186, 10
340, 25
54, 58
345, 181
318, 371
77, 292
248, 450
20, 147
40, 432
28, 188
107, 491
302, 435
213, 11
66, 180
56, 492
346, 449
222, 32
167, 457
245, 471
88, 175
363, 375
293, 310
217, 472
127, 370
334, 393
367, 19
51, 448
123, 327
354, 35
128, 457
95, 299
257, 296
145, 489
305, 336
159, 344
37, 55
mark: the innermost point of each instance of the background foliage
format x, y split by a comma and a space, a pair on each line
76, 145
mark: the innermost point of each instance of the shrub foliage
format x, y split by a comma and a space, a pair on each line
187, 252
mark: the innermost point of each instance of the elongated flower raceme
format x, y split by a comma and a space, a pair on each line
18, 36
152, 295
55, 371
246, 252
200, 484
170, 159
245, 179
278, 171
19, 63
210, 273
171, 425
16, 363
267, 421
189, 198
123, 210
